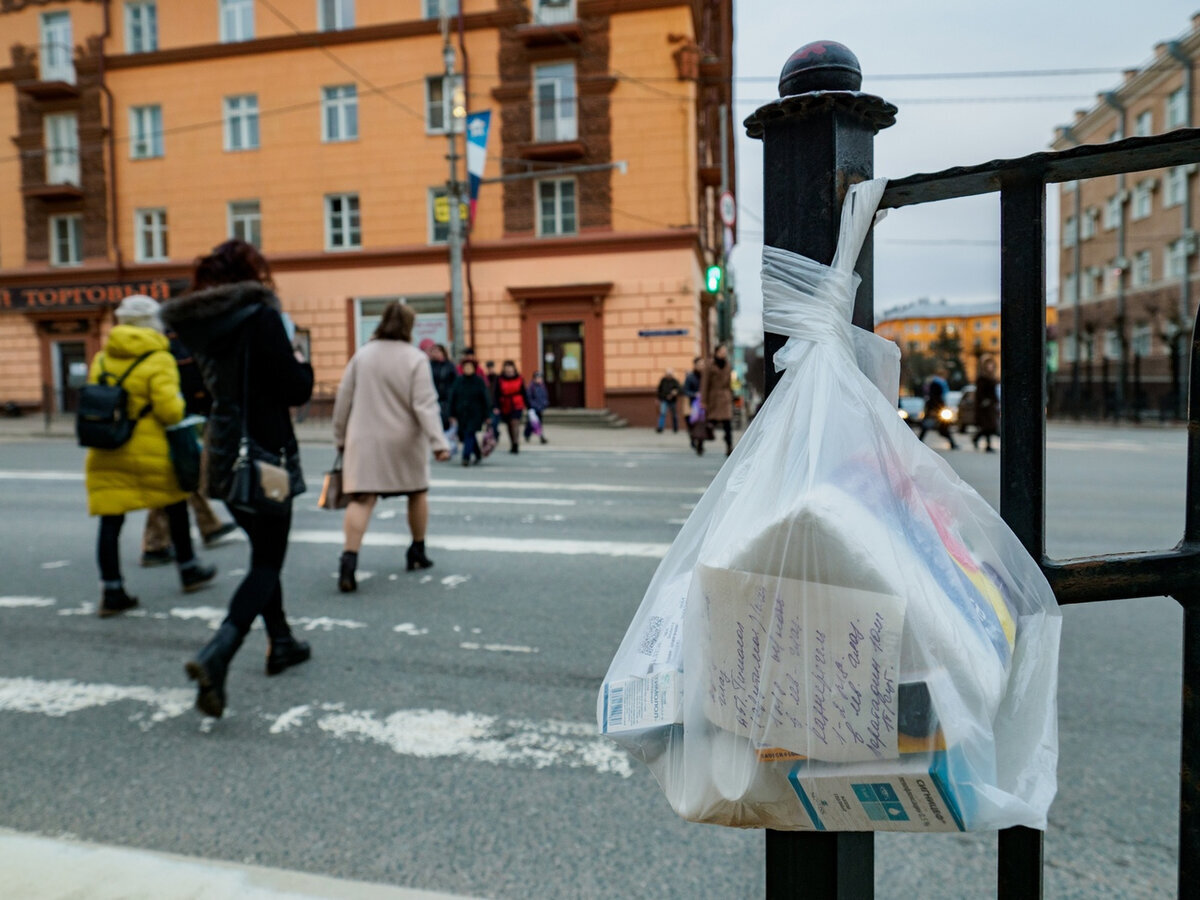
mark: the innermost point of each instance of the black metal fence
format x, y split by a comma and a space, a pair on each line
816, 145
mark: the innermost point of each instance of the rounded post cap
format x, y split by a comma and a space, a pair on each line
820, 66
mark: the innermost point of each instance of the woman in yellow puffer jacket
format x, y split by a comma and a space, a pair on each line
139, 474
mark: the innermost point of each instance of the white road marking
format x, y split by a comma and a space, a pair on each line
498, 648
20, 475
16, 602
481, 544
410, 628
56, 564
450, 582
503, 501
421, 733
325, 623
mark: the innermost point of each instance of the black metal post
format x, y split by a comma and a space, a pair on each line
818, 141
1023, 440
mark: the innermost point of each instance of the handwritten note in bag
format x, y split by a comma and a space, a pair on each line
806, 667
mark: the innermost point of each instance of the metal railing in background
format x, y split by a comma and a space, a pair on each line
818, 141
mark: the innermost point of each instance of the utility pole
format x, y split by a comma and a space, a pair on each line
724, 315
457, 112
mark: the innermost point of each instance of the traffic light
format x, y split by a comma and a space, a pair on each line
713, 276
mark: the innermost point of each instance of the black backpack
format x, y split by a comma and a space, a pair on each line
102, 420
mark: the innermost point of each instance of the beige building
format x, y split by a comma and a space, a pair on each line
144, 132
1127, 284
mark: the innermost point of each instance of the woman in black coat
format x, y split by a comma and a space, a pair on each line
232, 322
987, 404
469, 407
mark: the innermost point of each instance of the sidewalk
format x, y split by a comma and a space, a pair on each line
320, 431
40, 868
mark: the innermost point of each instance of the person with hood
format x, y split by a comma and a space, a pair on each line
716, 393
444, 373
469, 409
139, 474
232, 322
385, 421
539, 399
987, 404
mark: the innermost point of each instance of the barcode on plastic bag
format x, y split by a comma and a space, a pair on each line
650, 637
648, 701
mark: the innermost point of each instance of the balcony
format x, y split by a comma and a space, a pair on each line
53, 193
46, 90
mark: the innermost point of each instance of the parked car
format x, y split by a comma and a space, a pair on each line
911, 410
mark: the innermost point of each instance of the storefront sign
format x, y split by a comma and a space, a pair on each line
662, 332
85, 296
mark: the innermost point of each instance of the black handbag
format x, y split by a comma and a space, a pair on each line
184, 443
260, 482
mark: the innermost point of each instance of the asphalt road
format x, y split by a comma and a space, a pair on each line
443, 735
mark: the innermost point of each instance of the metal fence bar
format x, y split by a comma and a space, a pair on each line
1023, 439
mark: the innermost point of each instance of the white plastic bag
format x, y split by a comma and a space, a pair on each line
844, 636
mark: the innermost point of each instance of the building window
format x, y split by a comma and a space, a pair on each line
431, 319
1112, 212
1087, 227
241, 122
1112, 344
433, 8
442, 95
343, 230
1068, 348
1090, 280
556, 207
66, 240
1112, 278
1069, 232
150, 235
62, 148
1175, 259
145, 132
237, 20
1177, 109
1143, 200
339, 113
551, 12
554, 102
141, 27
1140, 276
1070, 286
1141, 340
1176, 186
335, 15
1143, 124
57, 48
245, 221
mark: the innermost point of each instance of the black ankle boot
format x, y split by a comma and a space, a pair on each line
210, 667
346, 582
416, 557
195, 575
286, 652
114, 602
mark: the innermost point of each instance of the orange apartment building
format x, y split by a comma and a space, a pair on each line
145, 132
915, 326
1127, 248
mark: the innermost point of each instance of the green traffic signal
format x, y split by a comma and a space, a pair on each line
712, 278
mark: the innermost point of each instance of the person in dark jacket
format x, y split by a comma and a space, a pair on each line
233, 324
539, 399
987, 404
697, 427
469, 408
156, 538
511, 401
668, 401
716, 393
444, 374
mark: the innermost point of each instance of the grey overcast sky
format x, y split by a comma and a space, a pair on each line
945, 250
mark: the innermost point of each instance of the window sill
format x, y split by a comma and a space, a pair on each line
49, 90
548, 34
343, 249
53, 192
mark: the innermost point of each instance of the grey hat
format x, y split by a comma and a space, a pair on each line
139, 310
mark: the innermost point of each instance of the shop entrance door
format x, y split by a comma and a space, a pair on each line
562, 358
70, 373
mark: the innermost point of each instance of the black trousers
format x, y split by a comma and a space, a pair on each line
108, 545
261, 592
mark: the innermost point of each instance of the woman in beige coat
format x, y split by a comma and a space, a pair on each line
385, 420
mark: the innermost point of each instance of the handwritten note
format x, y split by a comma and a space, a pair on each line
809, 668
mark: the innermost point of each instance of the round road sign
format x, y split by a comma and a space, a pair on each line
728, 209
